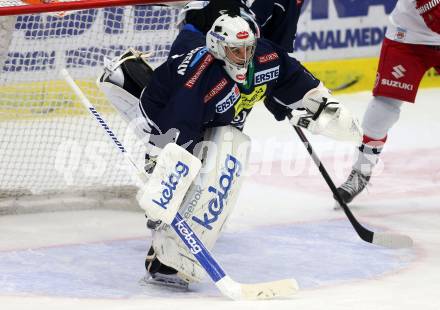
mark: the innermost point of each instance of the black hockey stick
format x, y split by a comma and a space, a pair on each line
384, 239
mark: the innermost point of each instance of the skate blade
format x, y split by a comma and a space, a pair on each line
158, 281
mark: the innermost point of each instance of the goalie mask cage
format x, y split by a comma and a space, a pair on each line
52, 153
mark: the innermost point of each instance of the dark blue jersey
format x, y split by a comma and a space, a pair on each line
278, 20
191, 91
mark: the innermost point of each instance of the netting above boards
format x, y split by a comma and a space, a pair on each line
48, 142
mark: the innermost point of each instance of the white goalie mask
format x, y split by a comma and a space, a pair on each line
232, 40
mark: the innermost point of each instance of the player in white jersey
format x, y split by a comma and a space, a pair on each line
408, 26
411, 47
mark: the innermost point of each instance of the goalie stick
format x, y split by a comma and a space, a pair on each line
227, 286
384, 239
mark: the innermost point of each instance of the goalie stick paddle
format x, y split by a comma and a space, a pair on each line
388, 240
227, 286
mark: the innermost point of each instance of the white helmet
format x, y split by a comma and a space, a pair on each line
232, 40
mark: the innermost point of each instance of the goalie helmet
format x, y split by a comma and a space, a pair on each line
232, 40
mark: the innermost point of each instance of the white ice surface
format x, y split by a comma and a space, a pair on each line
283, 226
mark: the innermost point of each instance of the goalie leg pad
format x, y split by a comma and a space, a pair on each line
209, 201
171, 178
130, 71
122, 82
125, 103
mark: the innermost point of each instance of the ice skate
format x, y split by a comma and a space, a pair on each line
160, 274
354, 185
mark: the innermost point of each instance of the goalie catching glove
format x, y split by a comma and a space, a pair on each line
322, 114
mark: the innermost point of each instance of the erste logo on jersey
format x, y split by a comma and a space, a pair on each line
267, 58
266, 75
226, 103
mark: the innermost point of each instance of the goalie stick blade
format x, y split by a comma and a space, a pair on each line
276, 289
392, 241
265, 290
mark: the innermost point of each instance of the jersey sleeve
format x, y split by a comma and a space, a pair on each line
175, 114
172, 102
278, 20
293, 83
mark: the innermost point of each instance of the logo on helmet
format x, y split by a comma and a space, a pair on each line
242, 35
240, 77
217, 36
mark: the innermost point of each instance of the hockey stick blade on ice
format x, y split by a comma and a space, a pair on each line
388, 240
227, 286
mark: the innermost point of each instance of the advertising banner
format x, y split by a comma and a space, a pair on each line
341, 28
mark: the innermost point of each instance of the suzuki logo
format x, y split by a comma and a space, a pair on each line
398, 71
